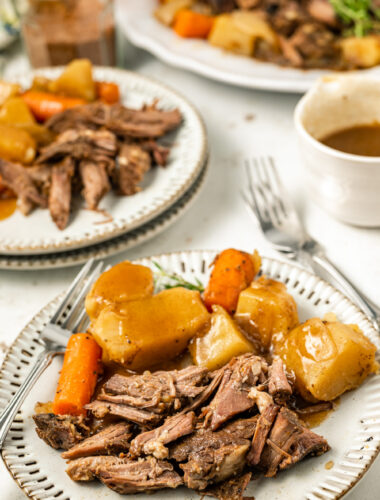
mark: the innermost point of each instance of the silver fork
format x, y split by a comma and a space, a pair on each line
281, 225
54, 338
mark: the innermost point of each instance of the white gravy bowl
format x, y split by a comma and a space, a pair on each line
345, 185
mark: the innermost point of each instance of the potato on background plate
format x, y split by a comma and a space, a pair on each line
240, 31
76, 81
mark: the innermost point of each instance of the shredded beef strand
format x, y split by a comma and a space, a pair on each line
60, 192
16, 178
61, 432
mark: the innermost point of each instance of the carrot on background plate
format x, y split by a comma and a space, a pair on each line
107, 92
81, 366
44, 105
233, 271
190, 24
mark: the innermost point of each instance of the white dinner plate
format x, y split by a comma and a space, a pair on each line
352, 430
110, 247
139, 25
162, 187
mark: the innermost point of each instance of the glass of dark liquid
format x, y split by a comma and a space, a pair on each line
57, 31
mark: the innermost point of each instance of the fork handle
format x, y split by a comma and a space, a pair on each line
43, 361
322, 265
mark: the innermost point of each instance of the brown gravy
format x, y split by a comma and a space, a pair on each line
361, 140
315, 419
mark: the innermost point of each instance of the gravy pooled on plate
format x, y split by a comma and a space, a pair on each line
363, 140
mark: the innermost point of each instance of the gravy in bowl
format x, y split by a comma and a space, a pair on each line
363, 140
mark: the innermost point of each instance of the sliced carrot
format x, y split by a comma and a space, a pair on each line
108, 92
44, 105
81, 366
233, 271
190, 24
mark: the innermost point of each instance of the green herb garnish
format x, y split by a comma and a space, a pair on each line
359, 15
166, 280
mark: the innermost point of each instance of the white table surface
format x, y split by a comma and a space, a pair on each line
241, 123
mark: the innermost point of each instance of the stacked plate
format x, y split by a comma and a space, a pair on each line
34, 242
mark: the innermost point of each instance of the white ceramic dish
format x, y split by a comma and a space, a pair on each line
345, 185
137, 21
161, 187
109, 247
352, 430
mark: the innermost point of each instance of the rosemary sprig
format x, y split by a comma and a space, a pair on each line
166, 280
359, 15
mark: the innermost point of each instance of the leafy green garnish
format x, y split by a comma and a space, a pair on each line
166, 280
359, 15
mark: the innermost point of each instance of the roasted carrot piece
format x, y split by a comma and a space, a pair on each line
190, 24
107, 92
44, 105
81, 366
233, 271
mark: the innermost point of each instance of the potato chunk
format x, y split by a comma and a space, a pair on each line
8, 90
16, 144
15, 112
361, 52
227, 35
266, 309
327, 358
76, 81
120, 284
254, 24
221, 343
146, 332
239, 32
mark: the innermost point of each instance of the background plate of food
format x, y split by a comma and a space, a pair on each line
112, 246
259, 380
87, 154
268, 44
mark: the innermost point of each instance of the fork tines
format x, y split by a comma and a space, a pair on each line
70, 315
77, 311
266, 190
